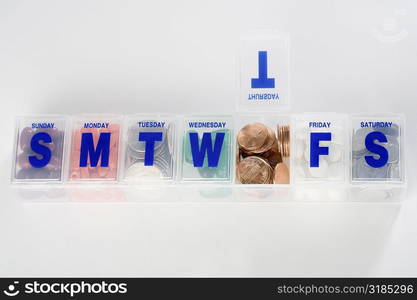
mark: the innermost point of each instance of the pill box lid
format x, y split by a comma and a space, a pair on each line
263, 71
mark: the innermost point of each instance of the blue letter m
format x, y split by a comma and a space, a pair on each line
102, 150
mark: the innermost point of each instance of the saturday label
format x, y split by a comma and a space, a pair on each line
376, 124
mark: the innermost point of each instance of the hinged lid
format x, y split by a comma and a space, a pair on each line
264, 72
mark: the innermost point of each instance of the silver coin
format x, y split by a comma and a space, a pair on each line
392, 147
133, 137
358, 140
139, 170
391, 131
361, 170
169, 138
394, 171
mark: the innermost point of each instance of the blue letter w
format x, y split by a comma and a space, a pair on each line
213, 154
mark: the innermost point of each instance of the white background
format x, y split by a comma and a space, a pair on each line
179, 57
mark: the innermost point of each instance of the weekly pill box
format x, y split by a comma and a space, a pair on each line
203, 149
261, 149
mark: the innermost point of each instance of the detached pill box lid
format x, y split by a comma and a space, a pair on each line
264, 76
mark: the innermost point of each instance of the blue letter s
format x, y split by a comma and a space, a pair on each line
377, 149
40, 149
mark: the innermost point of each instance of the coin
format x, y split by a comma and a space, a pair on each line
269, 142
361, 170
253, 137
394, 171
133, 138
254, 170
135, 153
138, 171
284, 140
392, 131
392, 147
259, 151
281, 174
273, 155
358, 140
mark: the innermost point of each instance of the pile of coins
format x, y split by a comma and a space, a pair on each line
135, 154
361, 170
222, 169
53, 169
97, 172
259, 154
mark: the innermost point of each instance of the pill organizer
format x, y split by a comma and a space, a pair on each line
362, 153
259, 148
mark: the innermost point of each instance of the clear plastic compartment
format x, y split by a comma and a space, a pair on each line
206, 149
149, 154
377, 168
94, 152
321, 148
39, 149
263, 149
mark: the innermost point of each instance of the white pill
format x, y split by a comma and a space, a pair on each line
321, 170
338, 137
336, 170
335, 153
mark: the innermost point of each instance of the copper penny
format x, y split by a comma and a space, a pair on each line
254, 170
273, 155
284, 140
270, 141
252, 137
281, 174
